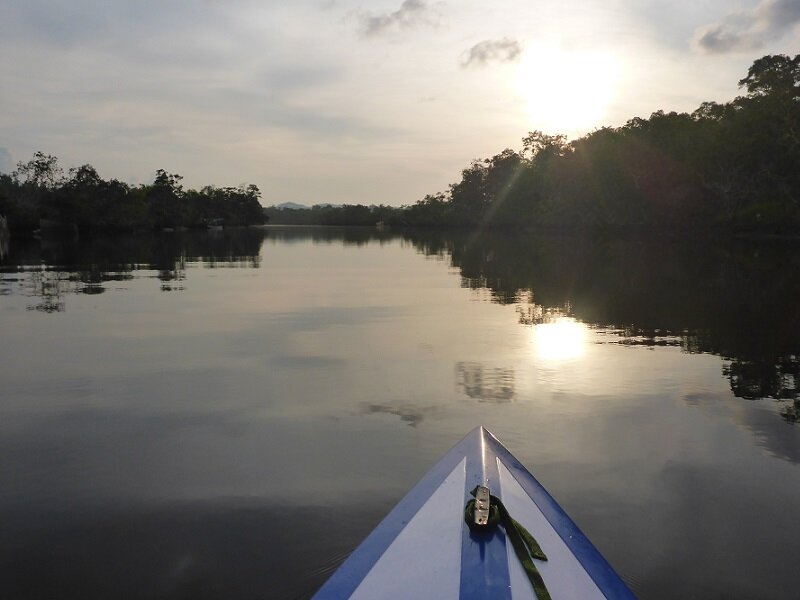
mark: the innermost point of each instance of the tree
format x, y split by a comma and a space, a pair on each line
468, 196
84, 176
165, 198
773, 74
40, 171
538, 144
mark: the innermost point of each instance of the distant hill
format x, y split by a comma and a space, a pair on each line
291, 206
297, 206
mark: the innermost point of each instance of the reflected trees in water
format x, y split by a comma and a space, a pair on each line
791, 412
485, 384
411, 414
739, 300
55, 267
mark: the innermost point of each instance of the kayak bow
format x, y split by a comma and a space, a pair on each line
424, 548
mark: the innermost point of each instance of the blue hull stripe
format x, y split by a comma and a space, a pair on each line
484, 558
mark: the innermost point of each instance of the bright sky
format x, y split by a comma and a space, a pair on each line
347, 101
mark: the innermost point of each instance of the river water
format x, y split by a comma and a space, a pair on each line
226, 415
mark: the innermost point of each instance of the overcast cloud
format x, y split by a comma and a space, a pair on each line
750, 30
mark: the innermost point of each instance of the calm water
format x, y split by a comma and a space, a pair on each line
226, 415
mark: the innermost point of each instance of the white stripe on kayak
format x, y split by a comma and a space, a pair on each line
424, 561
563, 575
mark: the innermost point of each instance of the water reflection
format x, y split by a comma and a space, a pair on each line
346, 236
738, 300
179, 550
408, 413
760, 379
4, 238
166, 252
771, 434
791, 412
560, 339
485, 384
53, 268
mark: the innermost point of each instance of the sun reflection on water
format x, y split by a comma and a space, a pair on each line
562, 338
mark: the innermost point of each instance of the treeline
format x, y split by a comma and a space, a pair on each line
348, 214
38, 194
733, 166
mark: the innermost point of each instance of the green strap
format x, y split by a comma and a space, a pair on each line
525, 546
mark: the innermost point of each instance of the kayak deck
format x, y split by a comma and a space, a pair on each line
424, 549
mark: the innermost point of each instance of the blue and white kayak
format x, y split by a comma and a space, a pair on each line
425, 548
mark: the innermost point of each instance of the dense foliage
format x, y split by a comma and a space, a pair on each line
38, 193
325, 214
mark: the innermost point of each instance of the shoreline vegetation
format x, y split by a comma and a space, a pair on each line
39, 197
728, 168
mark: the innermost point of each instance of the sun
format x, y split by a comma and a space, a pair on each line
566, 91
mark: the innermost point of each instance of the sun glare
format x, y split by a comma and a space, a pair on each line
567, 91
561, 339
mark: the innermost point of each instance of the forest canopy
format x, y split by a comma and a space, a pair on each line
39, 192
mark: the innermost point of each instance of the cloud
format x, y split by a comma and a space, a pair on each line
482, 53
410, 14
749, 30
